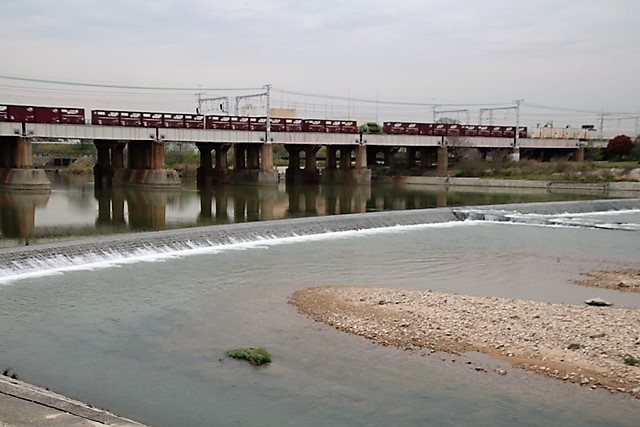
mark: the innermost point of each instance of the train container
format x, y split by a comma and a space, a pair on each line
470, 130
21, 113
570, 133
218, 122
484, 130
440, 129
46, 114
4, 114
547, 133
277, 124
536, 133
152, 120
72, 116
522, 132
558, 133
425, 128
349, 126
104, 117
394, 128
194, 121
239, 123
293, 125
509, 132
130, 118
258, 124
496, 131
173, 120
332, 126
454, 130
313, 125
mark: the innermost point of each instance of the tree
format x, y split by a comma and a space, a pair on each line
619, 146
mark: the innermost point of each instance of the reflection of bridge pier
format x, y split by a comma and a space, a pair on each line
17, 170
346, 199
18, 213
146, 209
303, 199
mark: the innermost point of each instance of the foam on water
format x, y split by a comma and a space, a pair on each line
89, 254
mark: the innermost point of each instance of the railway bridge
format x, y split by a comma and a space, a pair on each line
348, 155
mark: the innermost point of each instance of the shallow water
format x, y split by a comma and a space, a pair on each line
147, 339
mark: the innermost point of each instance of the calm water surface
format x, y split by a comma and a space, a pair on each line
147, 339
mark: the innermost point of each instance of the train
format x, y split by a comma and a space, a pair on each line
72, 115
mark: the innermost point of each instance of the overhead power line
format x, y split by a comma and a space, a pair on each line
114, 86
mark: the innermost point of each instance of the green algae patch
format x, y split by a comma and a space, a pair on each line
255, 356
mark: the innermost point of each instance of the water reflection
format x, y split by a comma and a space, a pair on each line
76, 209
17, 214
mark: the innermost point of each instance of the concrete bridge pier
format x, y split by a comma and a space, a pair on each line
579, 154
110, 158
295, 174
254, 164
17, 171
145, 167
443, 159
209, 173
346, 172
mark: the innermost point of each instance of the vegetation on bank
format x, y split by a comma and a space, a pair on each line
255, 356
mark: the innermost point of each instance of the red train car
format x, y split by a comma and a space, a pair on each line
454, 129
313, 125
152, 120
104, 117
332, 126
4, 114
293, 125
130, 118
440, 129
484, 130
470, 130
217, 122
21, 113
258, 124
240, 123
277, 124
425, 128
194, 121
72, 116
349, 126
173, 120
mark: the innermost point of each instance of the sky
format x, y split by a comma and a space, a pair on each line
563, 58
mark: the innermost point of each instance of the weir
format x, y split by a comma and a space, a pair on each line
52, 256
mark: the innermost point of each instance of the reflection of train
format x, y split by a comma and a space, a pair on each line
65, 115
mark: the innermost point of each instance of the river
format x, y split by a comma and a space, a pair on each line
145, 336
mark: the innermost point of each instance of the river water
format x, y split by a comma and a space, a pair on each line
146, 336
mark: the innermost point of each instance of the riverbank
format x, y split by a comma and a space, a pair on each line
581, 344
24, 404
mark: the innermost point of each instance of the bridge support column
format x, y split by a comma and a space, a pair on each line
579, 154
425, 158
110, 158
145, 167
411, 157
295, 174
347, 173
443, 158
515, 154
17, 171
258, 167
207, 174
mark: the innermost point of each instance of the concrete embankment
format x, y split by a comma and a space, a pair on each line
23, 404
613, 189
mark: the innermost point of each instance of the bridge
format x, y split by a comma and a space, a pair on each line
349, 156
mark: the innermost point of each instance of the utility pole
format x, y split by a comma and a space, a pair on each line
517, 140
224, 106
435, 113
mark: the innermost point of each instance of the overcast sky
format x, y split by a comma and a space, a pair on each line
577, 54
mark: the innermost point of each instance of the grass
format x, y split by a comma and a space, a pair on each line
255, 356
631, 361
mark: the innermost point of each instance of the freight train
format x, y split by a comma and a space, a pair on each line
68, 115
